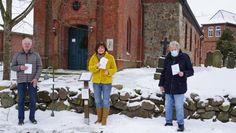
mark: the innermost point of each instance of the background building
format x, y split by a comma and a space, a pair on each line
214, 28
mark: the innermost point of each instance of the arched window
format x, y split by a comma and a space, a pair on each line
128, 45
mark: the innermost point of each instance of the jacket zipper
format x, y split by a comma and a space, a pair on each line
26, 57
172, 77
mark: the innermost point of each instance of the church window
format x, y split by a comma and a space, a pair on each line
128, 46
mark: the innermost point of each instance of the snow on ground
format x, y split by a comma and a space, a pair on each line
70, 122
207, 82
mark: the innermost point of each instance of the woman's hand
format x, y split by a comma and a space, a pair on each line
106, 72
98, 65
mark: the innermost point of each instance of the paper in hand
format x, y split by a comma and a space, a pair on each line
29, 69
103, 63
175, 69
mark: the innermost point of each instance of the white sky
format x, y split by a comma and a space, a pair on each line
205, 9
202, 9
25, 26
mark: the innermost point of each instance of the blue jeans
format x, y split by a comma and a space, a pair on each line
24, 88
102, 95
178, 101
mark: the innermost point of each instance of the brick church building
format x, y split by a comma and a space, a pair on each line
66, 31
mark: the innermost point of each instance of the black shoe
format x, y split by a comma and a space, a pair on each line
33, 121
168, 124
20, 123
180, 128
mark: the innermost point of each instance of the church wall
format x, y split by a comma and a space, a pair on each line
160, 20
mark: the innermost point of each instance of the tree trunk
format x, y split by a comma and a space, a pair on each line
6, 52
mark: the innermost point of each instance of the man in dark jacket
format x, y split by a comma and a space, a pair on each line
173, 82
28, 66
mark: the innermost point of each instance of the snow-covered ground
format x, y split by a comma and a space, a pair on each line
207, 82
70, 122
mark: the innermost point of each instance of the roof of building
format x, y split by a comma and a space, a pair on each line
190, 16
221, 17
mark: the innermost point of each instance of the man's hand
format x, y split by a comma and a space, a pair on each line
22, 67
162, 90
34, 82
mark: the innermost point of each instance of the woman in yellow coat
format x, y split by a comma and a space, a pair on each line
103, 67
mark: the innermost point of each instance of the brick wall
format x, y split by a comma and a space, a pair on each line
109, 21
129, 10
210, 42
15, 41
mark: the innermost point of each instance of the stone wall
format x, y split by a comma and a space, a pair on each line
133, 104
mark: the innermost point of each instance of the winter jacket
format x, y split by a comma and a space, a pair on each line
98, 74
174, 84
22, 58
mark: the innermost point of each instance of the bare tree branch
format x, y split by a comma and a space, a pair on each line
3, 12
21, 16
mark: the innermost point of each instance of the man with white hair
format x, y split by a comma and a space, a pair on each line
173, 82
28, 66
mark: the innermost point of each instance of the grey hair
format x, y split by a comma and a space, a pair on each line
27, 39
175, 44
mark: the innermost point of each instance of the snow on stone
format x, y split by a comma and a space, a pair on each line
226, 103
133, 104
218, 98
5, 83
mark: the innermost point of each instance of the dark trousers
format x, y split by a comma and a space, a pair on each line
23, 89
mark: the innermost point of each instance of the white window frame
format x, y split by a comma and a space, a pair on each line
210, 31
218, 31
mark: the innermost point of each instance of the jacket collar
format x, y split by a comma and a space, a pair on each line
23, 52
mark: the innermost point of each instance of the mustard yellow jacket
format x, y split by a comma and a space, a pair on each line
98, 74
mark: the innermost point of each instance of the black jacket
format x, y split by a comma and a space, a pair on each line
174, 84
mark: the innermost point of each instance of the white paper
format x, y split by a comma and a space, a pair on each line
110, 44
175, 69
29, 69
103, 63
85, 93
85, 76
85, 102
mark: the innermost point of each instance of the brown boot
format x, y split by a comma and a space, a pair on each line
105, 114
99, 115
